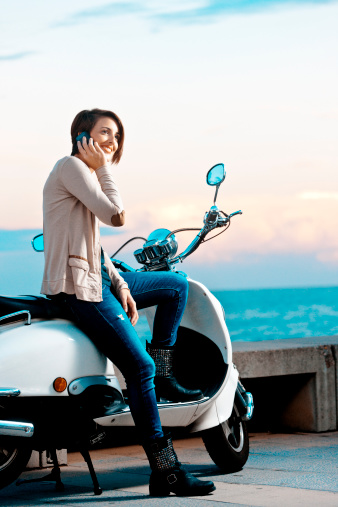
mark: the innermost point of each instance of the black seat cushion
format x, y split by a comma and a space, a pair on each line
39, 307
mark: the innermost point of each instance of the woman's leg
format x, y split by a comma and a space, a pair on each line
169, 291
109, 328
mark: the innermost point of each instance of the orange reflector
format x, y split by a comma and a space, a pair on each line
60, 384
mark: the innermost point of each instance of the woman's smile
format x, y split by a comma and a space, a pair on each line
106, 133
107, 149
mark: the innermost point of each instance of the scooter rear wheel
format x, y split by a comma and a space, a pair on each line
228, 443
12, 462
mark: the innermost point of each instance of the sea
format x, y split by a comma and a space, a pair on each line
272, 314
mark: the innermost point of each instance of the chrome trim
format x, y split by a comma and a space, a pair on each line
245, 402
248, 398
77, 386
16, 429
9, 391
21, 312
190, 248
169, 404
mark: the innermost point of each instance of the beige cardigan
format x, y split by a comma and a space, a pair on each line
74, 200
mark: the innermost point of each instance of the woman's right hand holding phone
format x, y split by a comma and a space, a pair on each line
91, 153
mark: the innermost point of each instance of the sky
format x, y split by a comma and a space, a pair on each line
252, 84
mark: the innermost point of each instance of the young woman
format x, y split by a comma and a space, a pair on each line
80, 192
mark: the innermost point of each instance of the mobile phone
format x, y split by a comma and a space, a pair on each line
82, 135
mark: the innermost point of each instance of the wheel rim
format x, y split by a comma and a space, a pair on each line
7, 456
233, 430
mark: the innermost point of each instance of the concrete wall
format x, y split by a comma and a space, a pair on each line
294, 382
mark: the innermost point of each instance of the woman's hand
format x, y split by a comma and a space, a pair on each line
91, 153
129, 305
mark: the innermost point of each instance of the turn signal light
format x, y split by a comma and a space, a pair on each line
60, 384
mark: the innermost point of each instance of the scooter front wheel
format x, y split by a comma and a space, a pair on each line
12, 462
228, 443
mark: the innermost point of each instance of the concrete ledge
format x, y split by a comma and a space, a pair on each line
42, 459
302, 390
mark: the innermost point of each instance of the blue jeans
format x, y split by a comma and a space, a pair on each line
108, 326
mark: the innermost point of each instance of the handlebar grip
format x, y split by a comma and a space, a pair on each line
239, 212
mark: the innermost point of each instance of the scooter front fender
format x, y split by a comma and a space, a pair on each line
219, 409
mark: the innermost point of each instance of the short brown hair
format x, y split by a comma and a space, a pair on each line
85, 121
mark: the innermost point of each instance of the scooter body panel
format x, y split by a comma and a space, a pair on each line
33, 356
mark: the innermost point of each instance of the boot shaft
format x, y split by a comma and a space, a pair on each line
163, 359
161, 454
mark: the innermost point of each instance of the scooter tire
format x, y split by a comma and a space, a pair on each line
12, 463
228, 443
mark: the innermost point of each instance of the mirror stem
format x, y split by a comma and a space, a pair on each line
217, 187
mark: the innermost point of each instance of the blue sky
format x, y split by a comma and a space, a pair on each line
251, 84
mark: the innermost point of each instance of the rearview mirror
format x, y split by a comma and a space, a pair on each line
216, 175
37, 243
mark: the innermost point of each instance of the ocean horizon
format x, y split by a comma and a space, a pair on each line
252, 314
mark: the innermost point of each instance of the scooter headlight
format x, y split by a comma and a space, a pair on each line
156, 249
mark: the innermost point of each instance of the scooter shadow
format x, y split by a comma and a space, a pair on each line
207, 471
124, 484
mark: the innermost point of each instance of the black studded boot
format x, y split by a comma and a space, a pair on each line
168, 475
166, 385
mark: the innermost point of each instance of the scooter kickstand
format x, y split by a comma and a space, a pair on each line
88, 460
54, 475
56, 472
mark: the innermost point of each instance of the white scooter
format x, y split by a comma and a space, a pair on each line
58, 391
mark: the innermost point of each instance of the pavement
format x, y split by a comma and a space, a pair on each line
299, 469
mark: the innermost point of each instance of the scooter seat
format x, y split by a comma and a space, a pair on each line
39, 307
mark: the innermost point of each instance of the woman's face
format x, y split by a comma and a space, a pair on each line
106, 133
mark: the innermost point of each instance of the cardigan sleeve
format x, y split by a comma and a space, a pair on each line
103, 200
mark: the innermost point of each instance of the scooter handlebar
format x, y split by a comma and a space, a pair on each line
209, 225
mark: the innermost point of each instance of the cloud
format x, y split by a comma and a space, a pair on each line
319, 195
271, 225
102, 11
17, 56
328, 257
204, 11
214, 8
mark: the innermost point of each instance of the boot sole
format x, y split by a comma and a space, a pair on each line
194, 492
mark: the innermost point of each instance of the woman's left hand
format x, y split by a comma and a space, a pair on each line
129, 305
